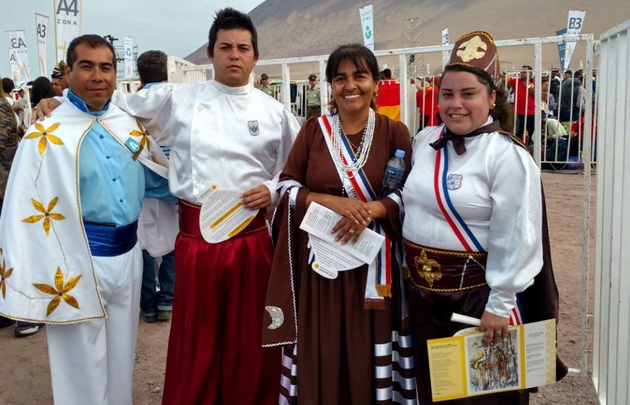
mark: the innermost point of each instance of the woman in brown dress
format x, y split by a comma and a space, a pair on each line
346, 339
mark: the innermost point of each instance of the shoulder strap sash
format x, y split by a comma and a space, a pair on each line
464, 234
441, 178
358, 186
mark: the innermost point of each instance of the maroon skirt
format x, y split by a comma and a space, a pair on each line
215, 354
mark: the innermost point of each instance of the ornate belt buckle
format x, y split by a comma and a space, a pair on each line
428, 269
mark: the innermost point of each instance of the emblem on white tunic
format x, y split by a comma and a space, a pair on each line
132, 145
454, 181
253, 128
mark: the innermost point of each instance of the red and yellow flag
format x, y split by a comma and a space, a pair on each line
388, 99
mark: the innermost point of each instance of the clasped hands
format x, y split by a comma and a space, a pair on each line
356, 217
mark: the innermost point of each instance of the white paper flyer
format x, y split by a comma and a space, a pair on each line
331, 256
223, 215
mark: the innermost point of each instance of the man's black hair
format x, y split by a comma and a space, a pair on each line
91, 40
152, 67
7, 85
227, 19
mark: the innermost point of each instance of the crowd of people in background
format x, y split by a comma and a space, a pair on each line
563, 95
251, 319
562, 105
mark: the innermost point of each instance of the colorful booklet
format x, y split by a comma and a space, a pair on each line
461, 366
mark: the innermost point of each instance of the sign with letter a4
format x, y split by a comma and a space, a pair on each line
67, 25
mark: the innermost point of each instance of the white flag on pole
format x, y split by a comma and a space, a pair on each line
445, 54
17, 43
67, 25
445, 36
574, 26
367, 25
14, 66
128, 41
41, 22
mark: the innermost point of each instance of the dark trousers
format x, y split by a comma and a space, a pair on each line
152, 300
524, 122
313, 111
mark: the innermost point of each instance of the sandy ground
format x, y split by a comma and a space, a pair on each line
25, 375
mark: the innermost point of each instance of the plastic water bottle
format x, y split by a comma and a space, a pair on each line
394, 172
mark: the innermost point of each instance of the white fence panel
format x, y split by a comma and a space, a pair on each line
543, 150
611, 361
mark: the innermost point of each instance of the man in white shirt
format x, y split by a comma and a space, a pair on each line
225, 135
158, 225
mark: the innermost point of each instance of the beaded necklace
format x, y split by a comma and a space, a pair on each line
361, 155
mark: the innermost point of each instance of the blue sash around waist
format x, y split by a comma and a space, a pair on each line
105, 240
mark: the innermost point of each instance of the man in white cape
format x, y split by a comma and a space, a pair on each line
70, 256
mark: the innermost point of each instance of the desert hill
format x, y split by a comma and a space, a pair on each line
290, 28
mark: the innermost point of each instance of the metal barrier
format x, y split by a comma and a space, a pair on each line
546, 152
611, 343
177, 72
174, 67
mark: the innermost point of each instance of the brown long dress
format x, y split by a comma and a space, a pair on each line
344, 354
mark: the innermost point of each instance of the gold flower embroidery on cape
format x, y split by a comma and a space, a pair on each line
46, 214
143, 133
60, 291
4, 274
46, 135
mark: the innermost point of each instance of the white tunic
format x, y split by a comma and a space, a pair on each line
47, 271
235, 138
498, 197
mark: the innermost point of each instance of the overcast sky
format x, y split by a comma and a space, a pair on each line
177, 27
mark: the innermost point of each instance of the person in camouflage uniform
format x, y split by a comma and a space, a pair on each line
8, 146
8, 141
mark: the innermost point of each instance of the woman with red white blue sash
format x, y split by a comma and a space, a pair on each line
474, 214
346, 339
